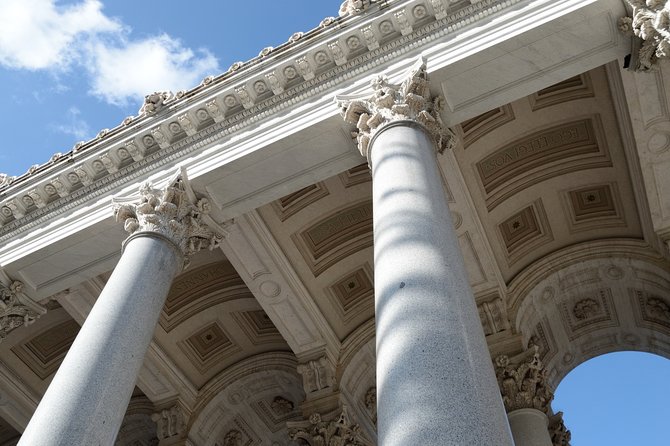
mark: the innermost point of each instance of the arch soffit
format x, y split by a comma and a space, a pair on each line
591, 299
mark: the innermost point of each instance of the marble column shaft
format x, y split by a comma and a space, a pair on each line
435, 378
86, 401
530, 427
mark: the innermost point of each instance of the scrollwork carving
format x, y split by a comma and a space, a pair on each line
411, 100
169, 422
14, 312
316, 375
651, 23
522, 380
170, 213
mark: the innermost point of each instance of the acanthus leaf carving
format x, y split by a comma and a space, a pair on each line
171, 213
523, 381
560, 435
14, 310
337, 432
154, 102
354, 7
650, 23
411, 100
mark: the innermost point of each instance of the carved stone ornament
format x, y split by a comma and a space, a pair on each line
316, 375
560, 435
651, 23
169, 422
15, 311
154, 102
353, 7
233, 438
281, 406
170, 212
411, 100
338, 432
522, 381
371, 403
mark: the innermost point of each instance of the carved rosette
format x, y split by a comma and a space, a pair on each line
651, 23
560, 435
522, 381
338, 432
171, 213
411, 100
15, 312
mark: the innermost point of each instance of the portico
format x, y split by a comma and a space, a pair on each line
391, 260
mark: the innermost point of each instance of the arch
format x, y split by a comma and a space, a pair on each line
590, 299
254, 397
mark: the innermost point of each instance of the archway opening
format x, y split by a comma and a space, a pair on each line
618, 398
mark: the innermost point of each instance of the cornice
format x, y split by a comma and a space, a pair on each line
232, 102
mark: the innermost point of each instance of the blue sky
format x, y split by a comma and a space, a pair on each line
71, 68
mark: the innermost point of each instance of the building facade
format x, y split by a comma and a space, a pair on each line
403, 227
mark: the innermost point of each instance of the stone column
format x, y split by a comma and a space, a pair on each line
435, 379
522, 381
86, 401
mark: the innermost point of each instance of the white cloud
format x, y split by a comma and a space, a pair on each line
36, 34
74, 126
137, 68
39, 35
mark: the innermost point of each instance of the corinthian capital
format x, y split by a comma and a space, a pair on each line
14, 310
170, 212
410, 100
337, 432
651, 23
522, 381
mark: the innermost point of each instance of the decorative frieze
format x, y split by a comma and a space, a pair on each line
170, 213
523, 381
14, 311
411, 100
651, 23
338, 432
109, 148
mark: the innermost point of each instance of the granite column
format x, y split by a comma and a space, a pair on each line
87, 399
435, 378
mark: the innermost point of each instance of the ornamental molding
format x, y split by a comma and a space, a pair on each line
173, 213
651, 24
16, 309
229, 103
389, 103
523, 381
337, 432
